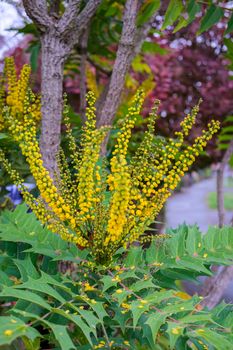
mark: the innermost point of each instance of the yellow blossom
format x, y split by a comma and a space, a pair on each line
8, 332
92, 203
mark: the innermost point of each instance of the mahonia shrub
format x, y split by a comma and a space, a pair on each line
92, 204
133, 303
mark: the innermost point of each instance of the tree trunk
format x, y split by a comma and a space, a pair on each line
58, 36
125, 54
83, 62
52, 99
217, 287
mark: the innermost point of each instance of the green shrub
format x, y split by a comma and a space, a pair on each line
135, 303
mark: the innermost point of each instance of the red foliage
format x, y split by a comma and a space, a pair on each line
195, 69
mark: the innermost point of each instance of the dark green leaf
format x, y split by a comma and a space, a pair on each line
155, 321
149, 8
26, 268
212, 16
25, 295
38, 286
137, 309
78, 321
144, 284
108, 282
230, 25
183, 22
193, 8
35, 51
196, 318
175, 331
218, 341
174, 9
193, 241
153, 47
12, 327
61, 335
134, 257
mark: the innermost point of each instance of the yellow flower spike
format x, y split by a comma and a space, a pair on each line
89, 205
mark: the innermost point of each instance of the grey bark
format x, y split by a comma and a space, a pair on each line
66, 32
121, 65
52, 100
214, 287
129, 46
54, 8
83, 62
58, 37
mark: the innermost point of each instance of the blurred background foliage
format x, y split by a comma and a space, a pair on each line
188, 55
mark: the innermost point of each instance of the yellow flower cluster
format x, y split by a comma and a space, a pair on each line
92, 204
119, 179
89, 177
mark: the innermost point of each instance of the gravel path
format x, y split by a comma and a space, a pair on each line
190, 205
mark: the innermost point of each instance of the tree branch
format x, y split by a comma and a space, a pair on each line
54, 8
83, 61
130, 44
126, 47
78, 23
68, 19
217, 287
58, 37
37, 10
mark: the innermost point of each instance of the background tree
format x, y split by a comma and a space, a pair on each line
59, 31
61, 24
58, 35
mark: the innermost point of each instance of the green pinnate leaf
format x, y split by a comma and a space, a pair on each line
155, 321
37, 286
193, 8
134, 257
12, 328
26, 268
147, 10
230, 25
174, 331
108, 282
61, 335
138, 308
152, 47
193, 241
196, 318
174, 9
78, 321
24, 295
213, 338
144, 284
212, 16
121, 295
